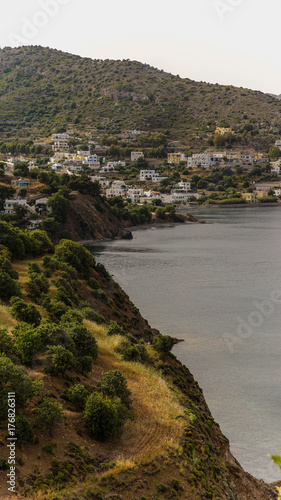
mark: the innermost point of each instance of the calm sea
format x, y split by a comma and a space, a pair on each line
217, 286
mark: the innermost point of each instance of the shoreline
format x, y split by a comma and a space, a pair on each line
149, 225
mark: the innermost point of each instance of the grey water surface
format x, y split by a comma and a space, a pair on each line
218, 287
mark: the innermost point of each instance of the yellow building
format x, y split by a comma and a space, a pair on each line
223, 130
249, 197
175, 158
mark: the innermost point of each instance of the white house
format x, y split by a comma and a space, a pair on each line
116, 164
10, 203
60, 145
135, 155
276, 167
101, 180
134, 194
182, 186
202, 159
148, 175
117, 188
60, 137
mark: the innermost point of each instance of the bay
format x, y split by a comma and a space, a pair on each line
213, 285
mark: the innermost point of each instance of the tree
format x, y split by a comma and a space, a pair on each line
27, 342
113, 383
9, 287
25, 312
163, 343
24, 432
84, 342
21, 169
14, 378
6, 343
60, 207
274, 152
49, 414
104, 416
62, 359
78, 396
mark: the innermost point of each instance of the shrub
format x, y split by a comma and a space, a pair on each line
113, 383
25, 312
27, 342
57, 308
163, 343
85, 363
91, 315
49, 414
6, 343
62, 359
13, 378
136, 352
93, 283
78, 396
38, 285
102, 271
71, 317
104, 416
76, 256
9, 287
115, 329
24, 432
53, 335
85, 344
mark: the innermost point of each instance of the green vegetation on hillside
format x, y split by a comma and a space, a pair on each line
59, 90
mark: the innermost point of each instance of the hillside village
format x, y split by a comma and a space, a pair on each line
179, 178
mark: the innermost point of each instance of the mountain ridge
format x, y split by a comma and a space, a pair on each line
59, 89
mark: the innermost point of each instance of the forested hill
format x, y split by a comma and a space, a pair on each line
41, 88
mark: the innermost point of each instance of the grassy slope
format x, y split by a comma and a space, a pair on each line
60, 88
172, 441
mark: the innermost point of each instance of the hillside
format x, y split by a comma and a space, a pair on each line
42, 88
168, 446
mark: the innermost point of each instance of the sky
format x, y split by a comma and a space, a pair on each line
233, 42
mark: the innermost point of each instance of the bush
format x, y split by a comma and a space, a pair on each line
84, 343
50, 413
163, 343
6, 344
85, 363
113, 383
136, 352
71, 317
25, 312
13, 378
104, 416
27, 342
38, 285
93, 283
78, 396
115, 329
91, 315
62, 359
9, 287
102, 271
76, 256
52, 334
57, 308
24, 432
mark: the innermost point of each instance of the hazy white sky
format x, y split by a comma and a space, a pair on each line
219, 41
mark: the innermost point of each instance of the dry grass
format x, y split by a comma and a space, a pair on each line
155, 406
6, 319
